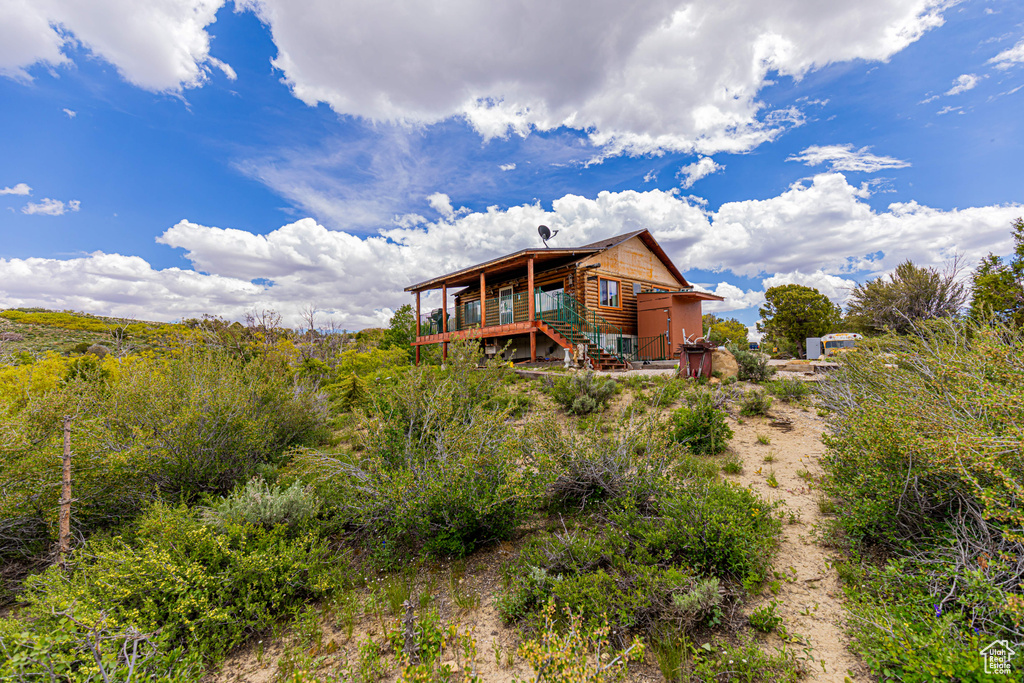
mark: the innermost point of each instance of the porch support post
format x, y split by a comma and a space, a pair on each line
529, 284
417, 327
444, 320
533, 346
483, 301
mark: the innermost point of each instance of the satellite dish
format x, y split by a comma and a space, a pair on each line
545, 233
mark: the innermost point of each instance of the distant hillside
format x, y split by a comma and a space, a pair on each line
37, 331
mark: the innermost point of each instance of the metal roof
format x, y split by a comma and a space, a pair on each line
471, 275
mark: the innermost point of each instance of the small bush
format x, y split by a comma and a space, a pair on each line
701, 427
98, 350
755, 402
80, 348
789, 390
668, 393
634, 462
722, 661
765, 618
262, 505
732, 466
582, 393
753, 366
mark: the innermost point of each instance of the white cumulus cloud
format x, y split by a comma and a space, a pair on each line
19, 189
819, 232
51, 207
70, 113
641, 77
963, 83
1009, 57
701, 168
508, 167
160, 46
846, 158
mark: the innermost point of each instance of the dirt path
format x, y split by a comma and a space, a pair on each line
808, 587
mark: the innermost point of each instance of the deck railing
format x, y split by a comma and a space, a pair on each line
563, 311
499, 311
652, 348
566, 313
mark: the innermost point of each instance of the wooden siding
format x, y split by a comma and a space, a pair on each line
630, 263
632, 260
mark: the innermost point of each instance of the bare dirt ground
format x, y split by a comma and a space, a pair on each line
808, 588
805, 583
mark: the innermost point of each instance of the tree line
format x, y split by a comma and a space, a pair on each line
899, 302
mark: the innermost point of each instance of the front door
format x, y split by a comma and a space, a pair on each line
505, 314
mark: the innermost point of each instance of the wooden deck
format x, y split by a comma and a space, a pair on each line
495, 331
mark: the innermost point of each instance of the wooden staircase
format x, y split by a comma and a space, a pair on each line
602, 359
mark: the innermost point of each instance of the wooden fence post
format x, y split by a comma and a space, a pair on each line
64, 537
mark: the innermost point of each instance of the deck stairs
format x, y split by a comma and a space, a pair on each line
602, 359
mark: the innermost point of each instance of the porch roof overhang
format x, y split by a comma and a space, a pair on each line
502, 266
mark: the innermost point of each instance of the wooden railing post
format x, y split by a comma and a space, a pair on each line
529, 286
64, 531
483, 301
417, 327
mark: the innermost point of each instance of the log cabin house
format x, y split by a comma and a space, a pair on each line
622, 297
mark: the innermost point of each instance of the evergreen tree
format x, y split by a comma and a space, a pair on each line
794, 312
998, 287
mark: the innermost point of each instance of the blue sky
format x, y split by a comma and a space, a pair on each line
162, 160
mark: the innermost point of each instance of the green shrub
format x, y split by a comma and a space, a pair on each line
700, 426
204, 591
192, 424
647, 566
667, 393
634, 461
924, 459
441, 470
765, 618
514, 404
582, 393
753, 366
755, 402
348, 393
71, 651
789, 389
563, 651
720, 660
262, 505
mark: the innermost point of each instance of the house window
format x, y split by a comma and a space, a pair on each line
609, 293
473, 312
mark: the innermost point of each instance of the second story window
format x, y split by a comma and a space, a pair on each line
609, 293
